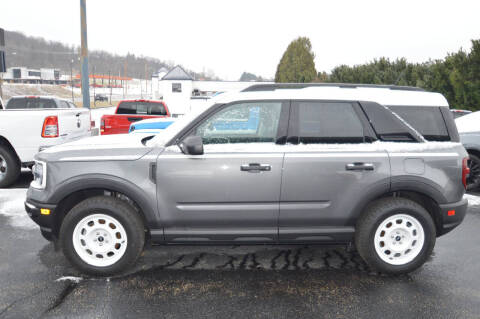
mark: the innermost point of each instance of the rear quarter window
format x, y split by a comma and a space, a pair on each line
427, 120
141, 108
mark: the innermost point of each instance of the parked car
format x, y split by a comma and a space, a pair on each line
319, 164
469, 129
151, 126
101, 97
459, 113
130, 111
29, 124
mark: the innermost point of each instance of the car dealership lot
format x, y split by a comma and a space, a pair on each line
254, 281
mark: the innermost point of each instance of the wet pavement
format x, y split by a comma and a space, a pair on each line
233, 281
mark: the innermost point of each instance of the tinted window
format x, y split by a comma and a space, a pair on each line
177, 87
428, 121
141, 108
31, 103
387, 126
242, 123
320, 122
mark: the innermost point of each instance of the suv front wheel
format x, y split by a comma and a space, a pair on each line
102, 236
395, 235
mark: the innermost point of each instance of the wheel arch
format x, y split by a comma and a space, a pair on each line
421, 197
72, 192
5, 142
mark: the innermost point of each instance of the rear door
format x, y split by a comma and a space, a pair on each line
232, 191
330, 166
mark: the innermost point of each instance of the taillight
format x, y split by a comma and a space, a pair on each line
102, 126
465, 171
92, 123
50, 127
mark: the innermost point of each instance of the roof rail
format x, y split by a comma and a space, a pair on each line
275, 86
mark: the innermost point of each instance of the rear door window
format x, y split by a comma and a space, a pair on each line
427, 120
326, 122
141, 108
31, 103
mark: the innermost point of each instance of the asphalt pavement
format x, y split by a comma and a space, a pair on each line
234, 281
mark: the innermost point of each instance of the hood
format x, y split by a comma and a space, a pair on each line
120, 147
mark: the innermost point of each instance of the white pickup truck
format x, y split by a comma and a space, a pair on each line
29, 124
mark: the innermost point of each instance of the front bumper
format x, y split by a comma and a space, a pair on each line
452, 215
46, 222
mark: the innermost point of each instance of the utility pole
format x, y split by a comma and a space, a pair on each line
110, 84
3, 67
125, 91
94, 85
84, 54
71, 80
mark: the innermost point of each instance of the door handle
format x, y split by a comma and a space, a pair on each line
255, 167
359, 167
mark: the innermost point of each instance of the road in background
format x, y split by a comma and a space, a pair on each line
232, 281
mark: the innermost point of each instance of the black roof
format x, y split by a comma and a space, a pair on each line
177, 73
275, 86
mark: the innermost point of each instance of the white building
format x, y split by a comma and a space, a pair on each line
181, 92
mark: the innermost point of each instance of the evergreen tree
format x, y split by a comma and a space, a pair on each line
297, 65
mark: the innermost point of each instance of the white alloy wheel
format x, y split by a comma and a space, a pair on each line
3, 167
399, 239
100, 240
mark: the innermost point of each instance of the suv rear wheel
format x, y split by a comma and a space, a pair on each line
102, 236
395, 235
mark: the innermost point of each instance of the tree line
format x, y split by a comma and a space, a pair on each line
36, 53
457, 76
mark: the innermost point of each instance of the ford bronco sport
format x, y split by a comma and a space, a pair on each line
273, 164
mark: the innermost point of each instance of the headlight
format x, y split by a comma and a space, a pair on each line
39, 171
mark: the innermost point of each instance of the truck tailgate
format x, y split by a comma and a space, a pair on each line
74, 123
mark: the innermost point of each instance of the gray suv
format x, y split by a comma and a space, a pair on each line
273, 164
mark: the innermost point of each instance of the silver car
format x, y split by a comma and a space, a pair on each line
273, 164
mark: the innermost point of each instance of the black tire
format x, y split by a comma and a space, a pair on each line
374, 215
12, 169
123, 213
473, 179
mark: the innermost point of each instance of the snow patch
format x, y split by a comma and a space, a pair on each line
70, 278
472, 200
12, 206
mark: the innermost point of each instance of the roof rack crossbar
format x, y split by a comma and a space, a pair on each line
273, 87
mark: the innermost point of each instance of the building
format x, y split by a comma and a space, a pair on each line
182, 92
33, 76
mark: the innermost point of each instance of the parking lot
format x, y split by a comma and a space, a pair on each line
234, 281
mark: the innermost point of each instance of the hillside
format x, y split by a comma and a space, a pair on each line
34, 52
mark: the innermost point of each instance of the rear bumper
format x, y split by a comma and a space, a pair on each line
46, 222
452, 215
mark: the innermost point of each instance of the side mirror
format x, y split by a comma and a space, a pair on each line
192, 145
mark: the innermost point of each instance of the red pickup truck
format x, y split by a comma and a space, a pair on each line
129, 111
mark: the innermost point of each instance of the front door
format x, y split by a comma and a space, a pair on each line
232, 191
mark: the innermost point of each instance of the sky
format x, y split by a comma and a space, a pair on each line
230, 37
